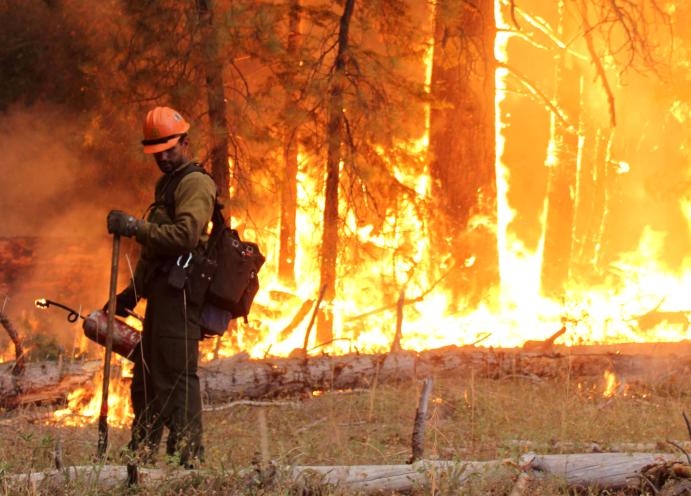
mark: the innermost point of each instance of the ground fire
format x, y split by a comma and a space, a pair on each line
489, 191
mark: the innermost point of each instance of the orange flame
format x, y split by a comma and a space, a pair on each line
364, 318
84, 404
611, 384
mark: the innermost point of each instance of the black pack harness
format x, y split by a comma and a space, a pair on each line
223, 278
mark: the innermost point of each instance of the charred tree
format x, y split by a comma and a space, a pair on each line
462, 148
218, 122
334, 137
562, 162
286, 252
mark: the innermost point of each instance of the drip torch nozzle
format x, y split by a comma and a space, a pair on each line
72, 316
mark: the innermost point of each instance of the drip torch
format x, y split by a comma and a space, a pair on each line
125, 337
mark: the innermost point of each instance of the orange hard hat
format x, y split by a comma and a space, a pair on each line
163, 128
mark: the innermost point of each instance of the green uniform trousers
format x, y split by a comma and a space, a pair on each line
165, 387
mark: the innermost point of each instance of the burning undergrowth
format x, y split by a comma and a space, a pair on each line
623, 272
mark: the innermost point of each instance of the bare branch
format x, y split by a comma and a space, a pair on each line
587, 34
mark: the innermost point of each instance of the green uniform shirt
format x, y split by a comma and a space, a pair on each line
163, 238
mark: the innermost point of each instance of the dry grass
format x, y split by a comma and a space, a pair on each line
469, 419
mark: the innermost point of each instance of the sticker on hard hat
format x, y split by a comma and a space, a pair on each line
177, 116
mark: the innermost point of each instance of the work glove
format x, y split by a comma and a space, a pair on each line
125, 300
122, 224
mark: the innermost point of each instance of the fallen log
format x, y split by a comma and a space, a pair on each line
391, 478
44, 382
92, 478
364, 478
238, 377
593, 446
252, 379
598, 470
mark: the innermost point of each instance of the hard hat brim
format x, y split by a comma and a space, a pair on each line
159, 147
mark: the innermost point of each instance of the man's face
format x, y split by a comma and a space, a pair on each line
172, 158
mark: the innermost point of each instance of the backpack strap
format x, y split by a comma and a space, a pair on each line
174, 182
219, 222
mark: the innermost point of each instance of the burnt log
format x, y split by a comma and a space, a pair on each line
252, 379
44, 382
238, 377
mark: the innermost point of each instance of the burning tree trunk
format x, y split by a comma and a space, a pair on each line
593, 243
562, 160
286, 253
591, 198
334, 135
218, 122
462, 151
584, 204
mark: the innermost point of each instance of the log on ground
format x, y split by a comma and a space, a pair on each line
47, 381
224, 381
238, 377
598, 470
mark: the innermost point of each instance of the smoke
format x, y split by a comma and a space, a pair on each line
39, 172
53, 238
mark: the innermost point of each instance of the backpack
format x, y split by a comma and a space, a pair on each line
223, 279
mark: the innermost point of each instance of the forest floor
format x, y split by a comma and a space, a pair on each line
469, 419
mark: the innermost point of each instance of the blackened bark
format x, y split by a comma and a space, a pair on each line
218, 122
462, 139
286, 252
334, 136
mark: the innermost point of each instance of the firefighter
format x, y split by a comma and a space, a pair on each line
165, 387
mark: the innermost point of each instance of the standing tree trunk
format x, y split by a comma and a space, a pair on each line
462, 148
286, 252
591, 194
218, 122
334, 137
562, 176
594, 237
584, 194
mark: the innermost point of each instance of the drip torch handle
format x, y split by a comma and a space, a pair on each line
134, 314
103, 418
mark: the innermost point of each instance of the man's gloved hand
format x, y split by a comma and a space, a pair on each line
125, 300
122, 224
